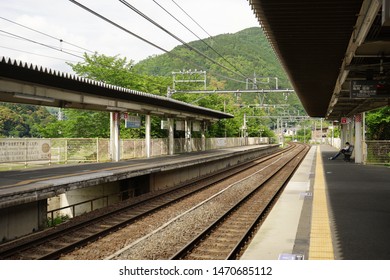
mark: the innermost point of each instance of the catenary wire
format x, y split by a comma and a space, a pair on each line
23, 39
42, 55
42, 44
45, 34
143, 39
178, 39
192, 19
203, 41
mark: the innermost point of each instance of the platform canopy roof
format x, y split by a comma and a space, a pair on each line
325, 45
29, 84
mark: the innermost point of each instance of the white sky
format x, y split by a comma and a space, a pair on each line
64, 20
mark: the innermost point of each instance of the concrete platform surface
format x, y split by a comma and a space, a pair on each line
358, 200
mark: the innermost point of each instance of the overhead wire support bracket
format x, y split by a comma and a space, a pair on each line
232, 91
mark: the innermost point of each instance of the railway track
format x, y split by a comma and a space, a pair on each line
218, 227
227, 236
52, 243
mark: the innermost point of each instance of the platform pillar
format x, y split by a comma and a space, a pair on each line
147, 135
187, 129
344, 132
358, 139
171, 138
203, 132
114, 136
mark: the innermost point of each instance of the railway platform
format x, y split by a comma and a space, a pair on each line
27, 196
38, 182
330, 209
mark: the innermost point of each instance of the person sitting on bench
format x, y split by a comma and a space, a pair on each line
342, 151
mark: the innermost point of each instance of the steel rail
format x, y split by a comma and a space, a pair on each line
209, 230
160, 201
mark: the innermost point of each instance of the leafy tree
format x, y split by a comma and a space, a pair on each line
378, 124
117, 71
19, 120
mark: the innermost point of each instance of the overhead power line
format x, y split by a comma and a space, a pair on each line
192, 18
145, 40
203, 41
117, 25
178, 39
42, 44
22, 51
45, 34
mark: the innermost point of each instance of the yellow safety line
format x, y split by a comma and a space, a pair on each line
321, 246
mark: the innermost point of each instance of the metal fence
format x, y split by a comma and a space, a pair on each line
19, 153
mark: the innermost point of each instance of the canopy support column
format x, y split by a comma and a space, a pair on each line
114, 136
358, 139
147, 135
171, 138
187, 129
203, 132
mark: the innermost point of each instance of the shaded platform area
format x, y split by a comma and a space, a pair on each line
352, 200
359, 199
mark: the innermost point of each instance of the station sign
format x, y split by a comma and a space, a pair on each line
23, 149
164, 124
370, 89
196, 126
132, 122
180, 125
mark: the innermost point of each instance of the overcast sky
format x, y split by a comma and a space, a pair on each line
64, 20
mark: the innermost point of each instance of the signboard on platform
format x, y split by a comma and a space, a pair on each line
180, 125
370, 89
133, 122
345, 120
20, 150
196, 126
164, 124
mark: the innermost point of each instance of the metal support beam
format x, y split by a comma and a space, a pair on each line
232, 91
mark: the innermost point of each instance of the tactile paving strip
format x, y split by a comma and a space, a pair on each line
321, 246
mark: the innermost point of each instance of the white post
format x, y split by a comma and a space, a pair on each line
147, 135
332, 140
364, 144
358, 138
203, 132
187, 129
344, 128
114, 136
171, 138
